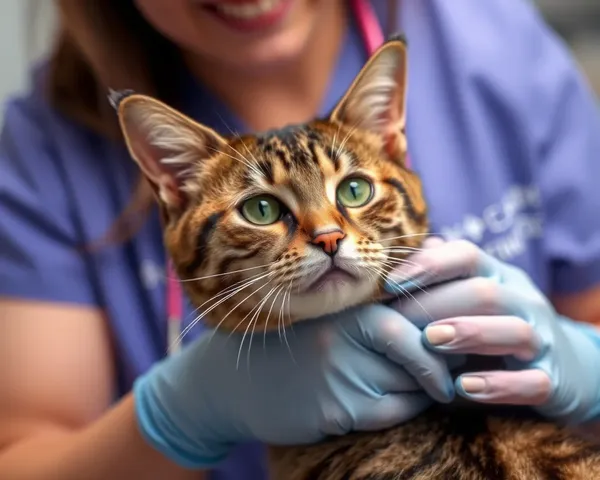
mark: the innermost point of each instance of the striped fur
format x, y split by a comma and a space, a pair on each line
212, 241
246, 278
448, 443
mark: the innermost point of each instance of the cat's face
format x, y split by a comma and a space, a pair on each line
309, 216
291, 224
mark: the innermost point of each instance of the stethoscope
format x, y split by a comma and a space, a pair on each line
372, 36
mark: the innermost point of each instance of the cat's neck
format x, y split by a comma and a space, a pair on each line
287, 93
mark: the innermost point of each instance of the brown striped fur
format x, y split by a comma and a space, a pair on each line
245, 277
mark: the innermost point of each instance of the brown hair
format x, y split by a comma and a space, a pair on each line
101, 45
108, 44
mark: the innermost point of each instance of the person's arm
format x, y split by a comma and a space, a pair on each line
57, 386
584, 306
57, 376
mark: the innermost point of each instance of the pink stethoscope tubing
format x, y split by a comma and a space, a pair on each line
372, 36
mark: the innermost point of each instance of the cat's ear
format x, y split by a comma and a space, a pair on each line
168, 146
376, 100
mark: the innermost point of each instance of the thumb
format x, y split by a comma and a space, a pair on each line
385, 331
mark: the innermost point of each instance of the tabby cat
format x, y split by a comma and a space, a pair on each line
326, 207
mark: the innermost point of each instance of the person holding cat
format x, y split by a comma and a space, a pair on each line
84, 328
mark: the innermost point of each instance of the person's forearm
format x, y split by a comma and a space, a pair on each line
111, 448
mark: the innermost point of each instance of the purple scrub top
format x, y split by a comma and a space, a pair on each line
503, 129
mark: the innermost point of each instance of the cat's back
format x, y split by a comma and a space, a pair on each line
468, 444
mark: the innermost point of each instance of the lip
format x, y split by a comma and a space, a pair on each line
262, 22
331, 276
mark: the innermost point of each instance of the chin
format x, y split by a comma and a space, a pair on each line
270, 51
266, 48
330, 298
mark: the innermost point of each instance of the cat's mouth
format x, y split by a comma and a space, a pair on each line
331, 277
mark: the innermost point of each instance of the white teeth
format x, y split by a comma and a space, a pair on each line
248, 11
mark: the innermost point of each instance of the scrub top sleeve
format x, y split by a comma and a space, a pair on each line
564, 120
40, 254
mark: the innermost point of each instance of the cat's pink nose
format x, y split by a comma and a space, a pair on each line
329, 241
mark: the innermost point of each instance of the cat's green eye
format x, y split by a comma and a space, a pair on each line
354, 192
261, 210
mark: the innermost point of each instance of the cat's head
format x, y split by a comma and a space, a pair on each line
290, 224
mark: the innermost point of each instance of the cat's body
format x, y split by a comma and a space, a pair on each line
272, 229
449, 443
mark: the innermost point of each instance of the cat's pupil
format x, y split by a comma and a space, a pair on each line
263, 207
354, 189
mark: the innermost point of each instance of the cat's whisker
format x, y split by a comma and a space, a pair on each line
368, 272
405, 261
351, 131
392, 266
215, 305
254, 322
346, 138
216, 329
240, 159
291, 324
237, 135
280, 315
197, 279
237, 363
250, 153
371, 269
402, 249
333, 153
255, 309
236, 307
355, 267
397, 250
281, 321
229, 289
406, 235
289, 306
281, 287
402, 290
332, 148
256, 166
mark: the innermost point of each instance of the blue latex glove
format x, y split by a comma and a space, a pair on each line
365, 369
477, 304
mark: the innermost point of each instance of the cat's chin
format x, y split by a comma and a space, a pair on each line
331, 296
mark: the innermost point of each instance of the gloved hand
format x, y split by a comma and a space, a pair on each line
365, 369
477, 304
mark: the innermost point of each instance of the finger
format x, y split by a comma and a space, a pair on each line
395, 286
489, 335
381, 376
473, 296
432, 241
443, 262
387, 332
391, 410
525, 387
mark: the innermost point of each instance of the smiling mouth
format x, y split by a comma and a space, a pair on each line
249, 15
332, 276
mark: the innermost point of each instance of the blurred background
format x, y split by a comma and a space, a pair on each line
27, 26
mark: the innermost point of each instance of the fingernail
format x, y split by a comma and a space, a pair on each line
471, 384
440, 334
